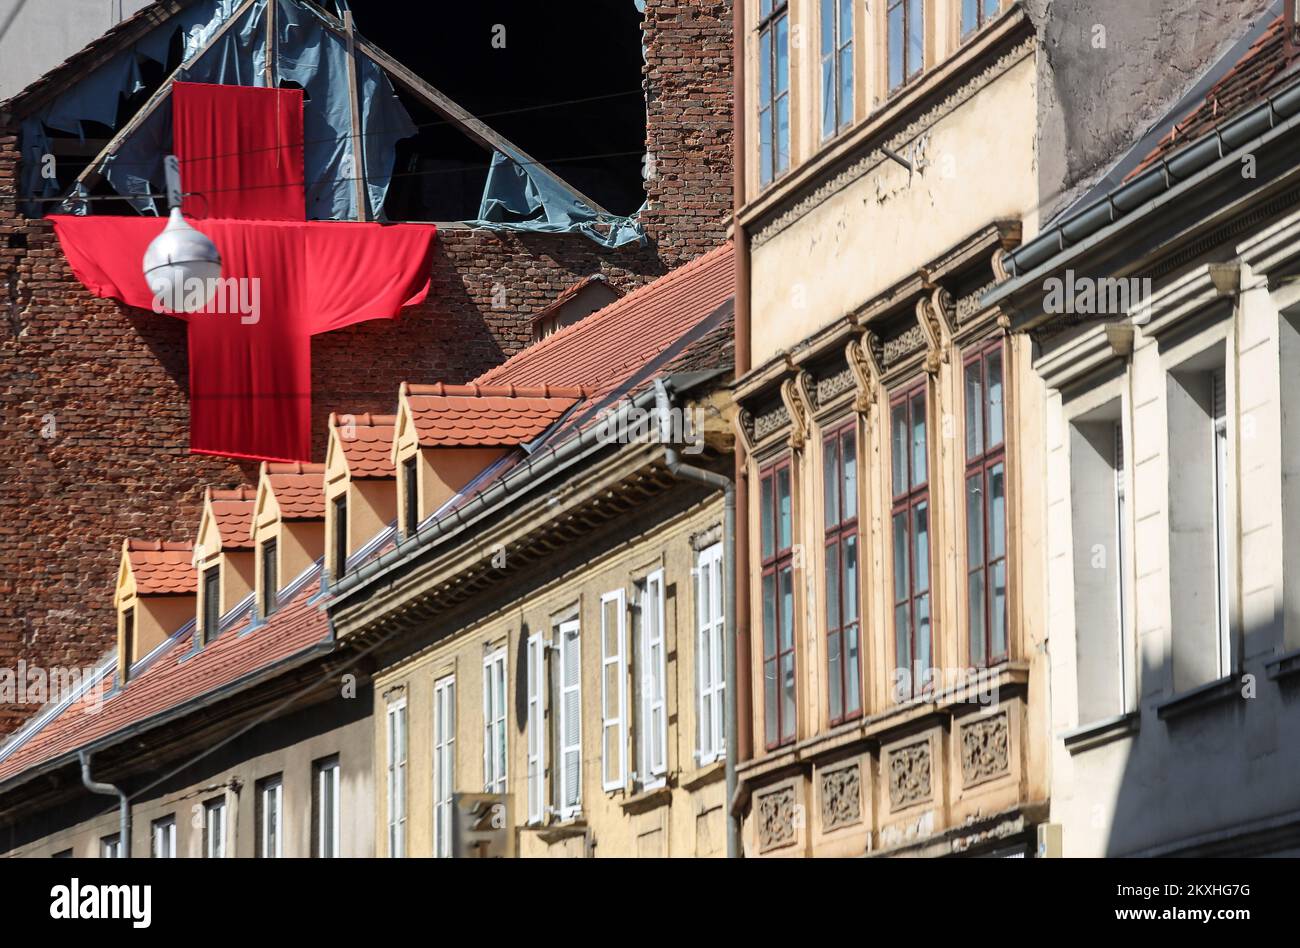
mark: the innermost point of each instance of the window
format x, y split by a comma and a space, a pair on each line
652, 731
211, 603
444, 762
837, 65
325, 809
270, 833
494, 722
162, 836
270, 577
986, 508
711, 655
340, 536
773, 89
411, 495
536, 728
397, 779
843, 634
976, 13
613, 691
570, 719
62, 854
777, 532
214, 828
128, 641
1201, 545
910, 522
110, 847
906, 41
1099, 515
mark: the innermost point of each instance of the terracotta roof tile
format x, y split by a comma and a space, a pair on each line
299, 489
368, 446
485, 416
162, 568
233, 512
168, 682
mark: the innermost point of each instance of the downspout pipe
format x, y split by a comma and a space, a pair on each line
689, 472
123, 804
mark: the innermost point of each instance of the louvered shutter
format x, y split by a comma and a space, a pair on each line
570, 719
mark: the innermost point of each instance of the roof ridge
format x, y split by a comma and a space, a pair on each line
135, 545
480, 390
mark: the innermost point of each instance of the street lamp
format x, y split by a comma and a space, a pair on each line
181, 265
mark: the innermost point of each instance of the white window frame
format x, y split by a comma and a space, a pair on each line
711, 629
214, 828
162, 838
651, 770
328, 775
613, 708
1222, 484
271, 800
495, 717
1121, 552
397, 744
536, 728
444, 762
110, 847
569, 633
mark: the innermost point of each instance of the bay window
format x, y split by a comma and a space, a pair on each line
986, 533
910, 531
777, 540
843, 635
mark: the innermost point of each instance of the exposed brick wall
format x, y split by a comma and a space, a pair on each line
94, 415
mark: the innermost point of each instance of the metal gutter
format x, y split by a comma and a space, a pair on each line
1209, 156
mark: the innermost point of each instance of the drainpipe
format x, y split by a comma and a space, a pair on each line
124, 804
689, 472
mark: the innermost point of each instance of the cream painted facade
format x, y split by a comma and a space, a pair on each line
684, 814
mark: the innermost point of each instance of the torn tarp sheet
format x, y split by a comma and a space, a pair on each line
308, 54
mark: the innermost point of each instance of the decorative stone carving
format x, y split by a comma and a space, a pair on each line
841, 797
864, 358
968, 306
775, 819
909, 775
770, 421
985, 749
933, 316
792, 396
903, 345
832, 386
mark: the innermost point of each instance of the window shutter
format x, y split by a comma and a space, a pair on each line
655, 674
710, 658
536, 729
571, 718
1219, 396
613, 690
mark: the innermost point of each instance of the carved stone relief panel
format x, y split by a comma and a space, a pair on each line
775, 816
909, 774
985, 749
841, 796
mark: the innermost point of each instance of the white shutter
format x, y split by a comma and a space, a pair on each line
613, 690
654, 676
494, 722
570, 719
710, 644
444, 757
536, 728
397, 778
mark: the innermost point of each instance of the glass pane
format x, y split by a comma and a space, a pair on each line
997, 512
769, 615
706, 661
783, 508
828, 95
782, 62
832, 586
975, 612
833, 673
921, 551
902, 643
919, 472
995, 397
902, 579
846, 22
770, 701
896, 46
849, 462
974, 410
898, 447
828, 26
787, 696
922, 641
765, 146
782, 160
764, 8
852, 678
831, 480
787, 609
765, 70
765, 517
846, 85
974, 521
850, 597
999, 571
990, 9
969, 15
915, 37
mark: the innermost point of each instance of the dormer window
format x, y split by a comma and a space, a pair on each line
411, 496
211, 603
270, 577
340, 536
128, 639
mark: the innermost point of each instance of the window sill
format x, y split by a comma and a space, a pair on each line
558, 832
1099, 733
1283, 667
1198, 699
709, 773
647, 799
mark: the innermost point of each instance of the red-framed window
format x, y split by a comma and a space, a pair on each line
910, 533
986, 505
843, 633
777, 538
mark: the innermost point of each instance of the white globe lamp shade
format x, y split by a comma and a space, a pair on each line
182, 266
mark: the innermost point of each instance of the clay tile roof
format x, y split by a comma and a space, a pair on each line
233, 512
486, 415
1256, 75
368, 450
162, 568
299, 489
168, 683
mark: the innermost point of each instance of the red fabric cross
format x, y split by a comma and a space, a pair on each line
250, 371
